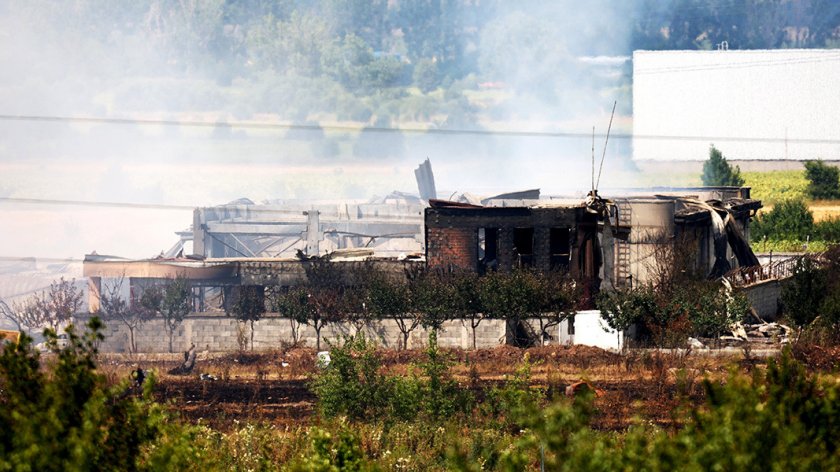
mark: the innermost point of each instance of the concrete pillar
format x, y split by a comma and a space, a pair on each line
313, 232
199, 233
94, 293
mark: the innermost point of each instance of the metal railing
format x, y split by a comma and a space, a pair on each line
746, 276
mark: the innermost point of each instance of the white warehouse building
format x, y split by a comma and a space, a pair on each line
751, 104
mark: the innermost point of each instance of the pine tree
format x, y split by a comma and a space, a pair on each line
718, 172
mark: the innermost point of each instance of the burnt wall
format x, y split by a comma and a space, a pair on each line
452, 235
456, 247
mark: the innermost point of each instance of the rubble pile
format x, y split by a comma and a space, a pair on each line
760, 334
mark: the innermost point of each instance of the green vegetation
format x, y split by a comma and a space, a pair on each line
823, 180
171, 301
667, 317
718, 172
363, 61
811, 300
776, 186
789, 219
69, 418
428, 298
790, 227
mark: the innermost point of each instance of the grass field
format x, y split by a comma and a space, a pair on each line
775, 186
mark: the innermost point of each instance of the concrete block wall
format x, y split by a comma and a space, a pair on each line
216, 333
765, 298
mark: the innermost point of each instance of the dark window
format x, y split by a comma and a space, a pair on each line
559, 247
488, 249
523, 246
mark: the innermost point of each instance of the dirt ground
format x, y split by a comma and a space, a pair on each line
257, 387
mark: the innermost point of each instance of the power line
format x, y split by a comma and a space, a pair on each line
37, 259
250, 209
504, 133
144, 206
282, 126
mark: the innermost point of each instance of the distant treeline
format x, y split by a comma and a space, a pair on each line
373, 61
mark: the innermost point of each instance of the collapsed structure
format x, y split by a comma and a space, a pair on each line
605, 244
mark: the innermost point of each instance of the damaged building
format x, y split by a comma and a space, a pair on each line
604, 243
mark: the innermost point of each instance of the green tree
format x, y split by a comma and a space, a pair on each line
293, 303
436, 298
790, 219
718, 172
248, 305
823, 180
326, 288
390, 299
425, 75
511, 296
172, 301
558, 298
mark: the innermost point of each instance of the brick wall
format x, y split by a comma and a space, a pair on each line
452, 247
452, 233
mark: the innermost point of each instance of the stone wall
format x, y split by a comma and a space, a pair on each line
217, 333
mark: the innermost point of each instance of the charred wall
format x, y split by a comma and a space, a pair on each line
484, 238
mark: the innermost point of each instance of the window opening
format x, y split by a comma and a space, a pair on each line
523, 246
488, 249
560, 248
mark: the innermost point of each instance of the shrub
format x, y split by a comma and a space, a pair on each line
510, 402
783, 419
823, 180
790, 219
666, 318
442, 397
828, 230
333, 452
351, 384
66, 418
803, 295
716, 171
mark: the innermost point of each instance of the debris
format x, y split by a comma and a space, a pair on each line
695, 343
738, 331
189, 363
208, 377
137, 376
732, 340
284, 364
323, 359
582, 387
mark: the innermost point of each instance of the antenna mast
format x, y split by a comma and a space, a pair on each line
606, 140
593, 158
